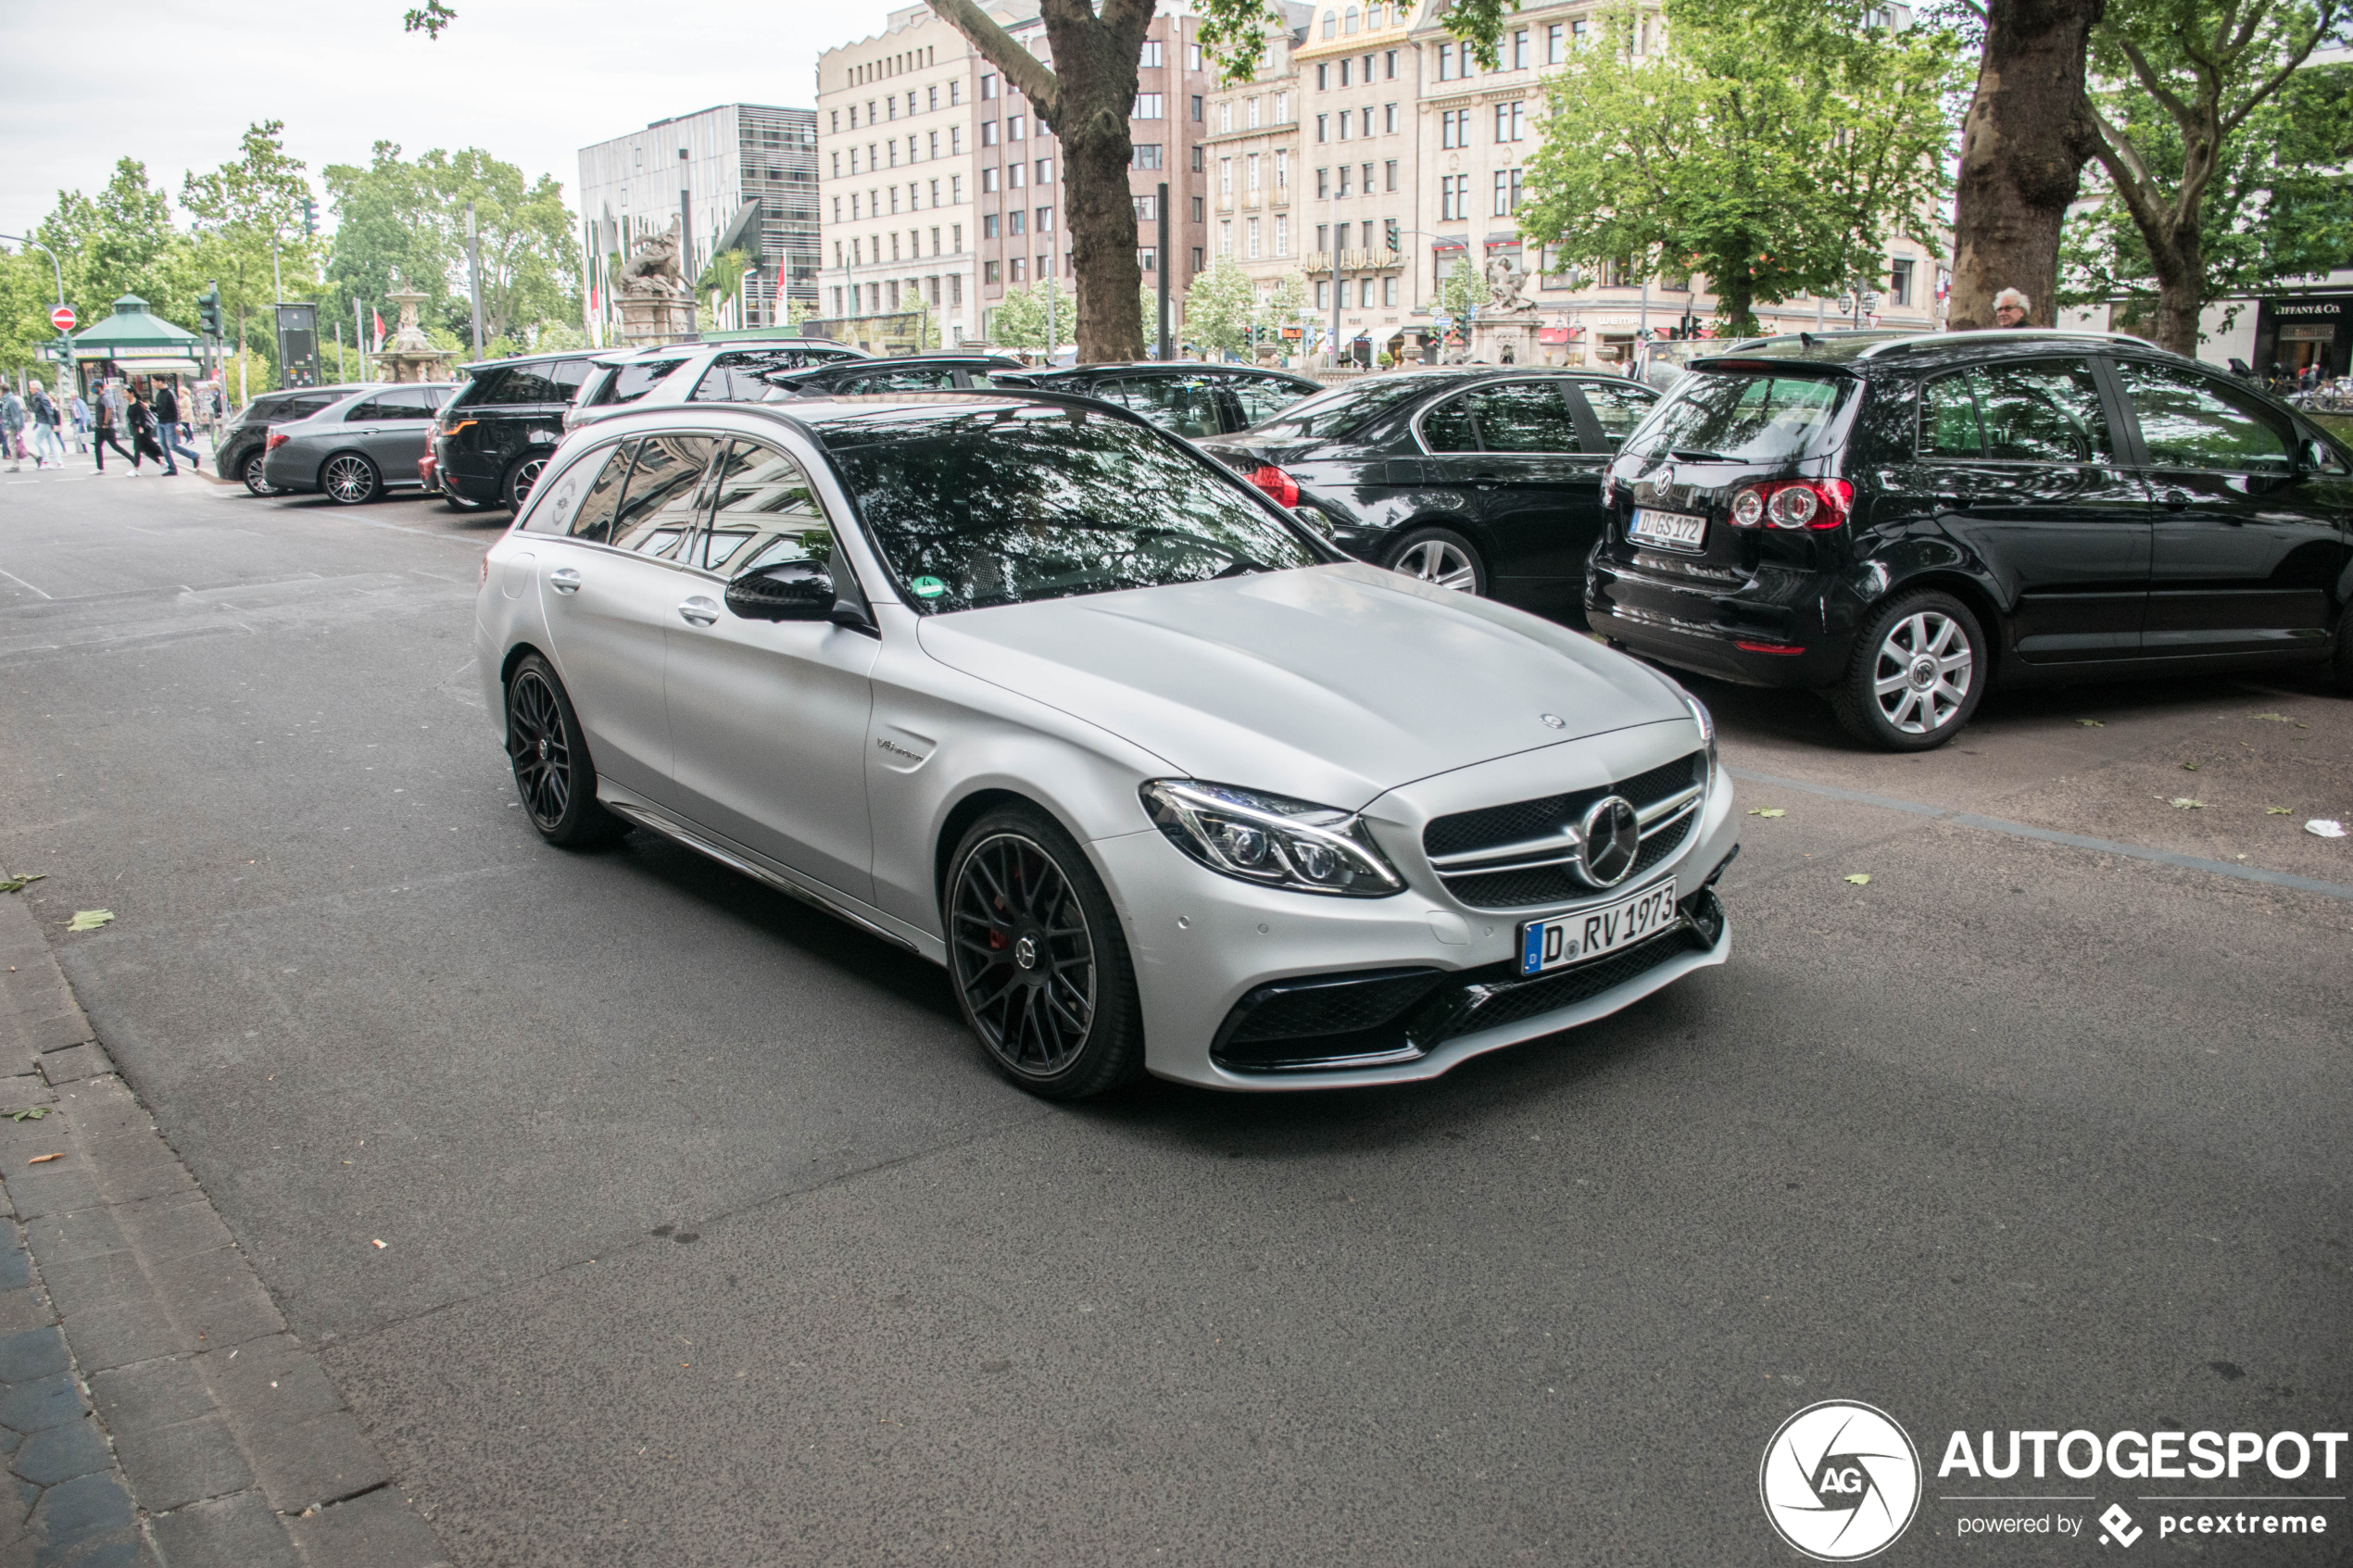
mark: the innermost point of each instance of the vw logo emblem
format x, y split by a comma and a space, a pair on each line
1610, 836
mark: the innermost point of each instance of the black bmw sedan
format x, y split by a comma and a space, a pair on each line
1480, 479
1190, 398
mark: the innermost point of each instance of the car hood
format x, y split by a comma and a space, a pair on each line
1333, 683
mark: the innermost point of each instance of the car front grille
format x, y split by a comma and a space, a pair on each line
1518, 855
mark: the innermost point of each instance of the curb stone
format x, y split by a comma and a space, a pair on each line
153, 1407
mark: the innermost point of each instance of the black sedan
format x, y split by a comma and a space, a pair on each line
1479, 479
908, 372
1191, 399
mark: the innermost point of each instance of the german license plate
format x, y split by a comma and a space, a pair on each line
1677, 531
1565, 940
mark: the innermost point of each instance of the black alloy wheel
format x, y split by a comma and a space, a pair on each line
553, 772
251, 474
1041, 969
349, 480
1916, 676
520, 478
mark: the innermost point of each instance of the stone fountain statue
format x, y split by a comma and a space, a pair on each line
410, 355
1505, 330
656, 305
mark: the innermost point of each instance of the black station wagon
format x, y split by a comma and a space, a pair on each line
1901, 522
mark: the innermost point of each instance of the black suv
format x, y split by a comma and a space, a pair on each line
244, 444
494, 437
1481, 479
1901, 522
949, 371
1192, 398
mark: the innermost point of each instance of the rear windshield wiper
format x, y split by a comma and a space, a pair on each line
1692, 455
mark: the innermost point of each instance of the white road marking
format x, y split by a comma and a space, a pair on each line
14, 578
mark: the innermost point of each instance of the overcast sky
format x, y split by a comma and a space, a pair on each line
174, 82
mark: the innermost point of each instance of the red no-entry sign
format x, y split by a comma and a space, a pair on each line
62, 318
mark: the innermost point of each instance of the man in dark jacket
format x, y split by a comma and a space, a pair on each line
170, 431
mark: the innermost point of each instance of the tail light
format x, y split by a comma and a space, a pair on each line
1793, 503
276, 439
1276, 483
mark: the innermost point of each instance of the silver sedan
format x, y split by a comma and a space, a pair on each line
1027, 687
358, 446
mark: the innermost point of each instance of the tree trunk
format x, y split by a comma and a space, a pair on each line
2181, 270
1736, 302
2023, 147
1085, 101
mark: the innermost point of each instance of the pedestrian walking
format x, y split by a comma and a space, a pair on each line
2011, 309
78, 409
102, 430
12, 428
47, 444
139, 423
171, 432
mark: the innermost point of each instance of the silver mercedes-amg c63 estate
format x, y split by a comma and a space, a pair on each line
1042, 694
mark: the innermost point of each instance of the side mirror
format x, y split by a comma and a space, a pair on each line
795, 590
2314, 457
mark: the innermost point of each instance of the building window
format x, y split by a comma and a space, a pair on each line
1249, 234
1045, 220
1226, 237
1193, 57
1147, 209
1021, 270
1578, 32
1453, 127
1389, 119
1197, 156
837, 300
955, 288
1012, 128
1150, 59
894, 198
1391, 62
988, 225
1197, 258
1445, 62
989, 86
987, 180
1147, 107
989, 273
934, 236
1224, 177
1323, 297
956, 190
1199, 212
1343, 72
1045, 171
1899, 282
1148, 258
1453, 197
1323, 183
1147, 154
1323, 78
1225, 117
1521, 58
641, 158
956, 237
1389, 291
987, 132
1282, 171
1015, 221
1282, 108
1016, 174
955, 93
955, 139
1390, 180
837, 210
1196, 108
1511, 121
1506, 192
1331, 26
1250, 163
1343, 182
1350, 20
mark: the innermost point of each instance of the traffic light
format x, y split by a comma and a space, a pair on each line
209, 311
309, 215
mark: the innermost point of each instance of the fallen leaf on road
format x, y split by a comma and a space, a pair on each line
379, 1245
30, 1113
89, 920
21, 881
2325, 827
1860, 878
2277, 811
2189, 767
2091, 723
1768, 811
43, 1159
2183, 803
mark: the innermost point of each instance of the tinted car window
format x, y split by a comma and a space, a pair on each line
997, 506
1183, 404
584, 498
929, 378
764, 514
293, 408
1948, 419
412, 402
1523, 417
2193, 421
1741, 416
657, 510
1263, 397
1448, 427
1344, 408
366, 408
1618, 406
2044, 410
633, 381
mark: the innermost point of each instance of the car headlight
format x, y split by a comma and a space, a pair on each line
1705, 720
1271, 839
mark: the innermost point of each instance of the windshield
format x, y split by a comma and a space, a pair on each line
1341, 409
1740, 417
1004, 506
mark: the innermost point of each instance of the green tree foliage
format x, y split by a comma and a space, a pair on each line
121, 241
1019, 319
2220, 157
1459, 290
244, 210
1221, 307
1776, 151
407, 219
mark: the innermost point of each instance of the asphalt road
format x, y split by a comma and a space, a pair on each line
709, 1239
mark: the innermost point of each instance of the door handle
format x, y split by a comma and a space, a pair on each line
564, 580
1486, 481
697, 611
2177, 500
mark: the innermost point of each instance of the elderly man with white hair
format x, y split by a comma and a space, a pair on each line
2011, 309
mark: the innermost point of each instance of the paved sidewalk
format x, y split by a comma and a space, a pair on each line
153, 1407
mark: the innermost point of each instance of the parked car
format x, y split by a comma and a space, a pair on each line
1901, 524
910, 372
358, 447
1045, 696
1193, 399
494, 437
729, 372
242, 445
1474, 478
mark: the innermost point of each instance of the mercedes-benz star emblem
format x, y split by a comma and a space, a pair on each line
1610, 836
1554, 721
1026, 952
